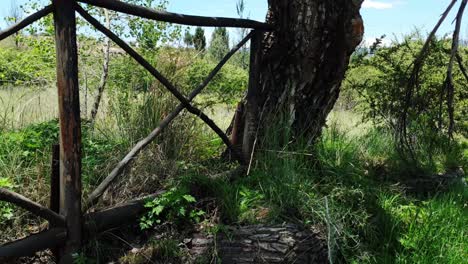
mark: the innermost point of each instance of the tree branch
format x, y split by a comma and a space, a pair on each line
26, 22
35, 208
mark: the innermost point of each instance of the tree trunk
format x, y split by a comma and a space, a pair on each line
303, 62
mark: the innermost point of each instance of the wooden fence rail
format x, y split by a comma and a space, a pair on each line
159, 15
69, 225
26, 22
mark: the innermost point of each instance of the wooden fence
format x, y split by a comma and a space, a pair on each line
69, 223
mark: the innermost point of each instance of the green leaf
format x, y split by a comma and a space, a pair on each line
189, 198
158, 209
182, 211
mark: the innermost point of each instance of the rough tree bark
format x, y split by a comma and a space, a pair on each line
303, 62
261, 244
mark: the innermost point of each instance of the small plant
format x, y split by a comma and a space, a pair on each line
81, 258
6, 211
175, 205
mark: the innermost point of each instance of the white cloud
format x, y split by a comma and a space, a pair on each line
376, 4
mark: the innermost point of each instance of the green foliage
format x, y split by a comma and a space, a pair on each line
226, 87
199, 40
149, 34
81, 258
378, 83
6, 210
219, 44
428, 231
34, 66
30, 141
175, 205
188, 38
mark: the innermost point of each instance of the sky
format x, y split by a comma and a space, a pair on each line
393, 18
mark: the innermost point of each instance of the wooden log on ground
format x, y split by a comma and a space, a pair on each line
116, 216
70, 125
163, 80
158, 15
26, 22
33, 243
33, 207
262, 244
94, 196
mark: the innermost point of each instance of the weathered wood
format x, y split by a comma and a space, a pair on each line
33, 207
261, 244
116, 216
94, 196
26, 22
70, 125
158, 15
33, 243
251, 105
54, 203
163, 80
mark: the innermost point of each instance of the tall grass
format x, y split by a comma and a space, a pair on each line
347, 186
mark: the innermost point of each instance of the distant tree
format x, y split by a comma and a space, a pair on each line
219, 45
188, 38
243, 53
14, 16
151, 34
199, 40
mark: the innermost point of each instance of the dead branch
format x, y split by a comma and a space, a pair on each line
26, 22
35, 208
449, 79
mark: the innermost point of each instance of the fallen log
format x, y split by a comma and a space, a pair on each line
261, 244
33, 243
116, 216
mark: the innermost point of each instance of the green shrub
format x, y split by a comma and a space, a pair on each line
378, 83
175, 205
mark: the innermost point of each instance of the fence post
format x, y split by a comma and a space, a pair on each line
54, 203
251, 106
70, 125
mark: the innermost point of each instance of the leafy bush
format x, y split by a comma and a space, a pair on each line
378, 82
35, 64
227, 86
175, 205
